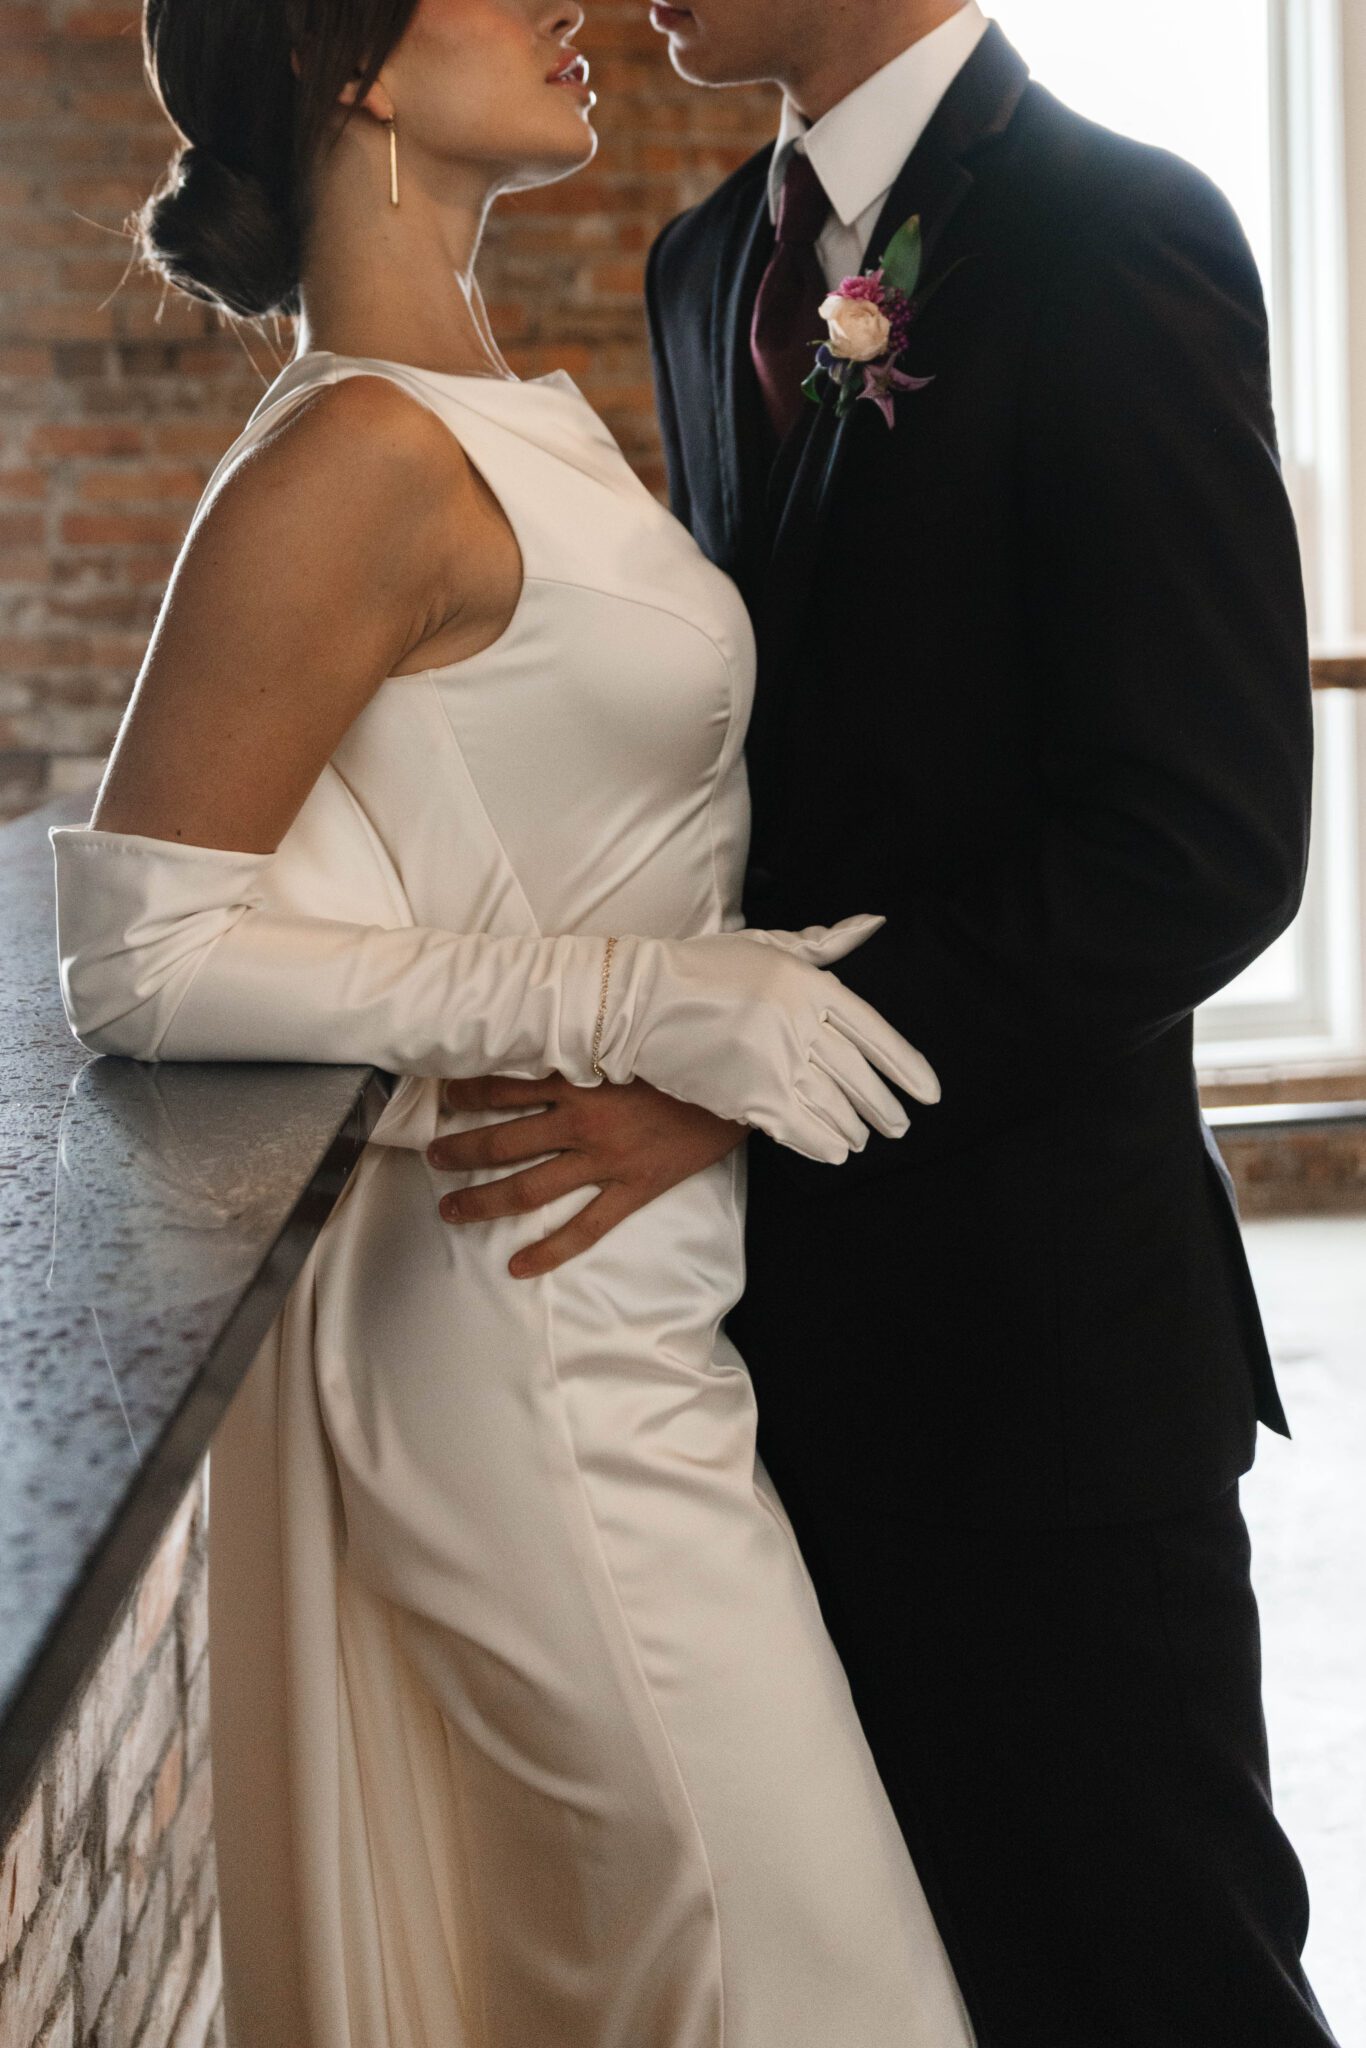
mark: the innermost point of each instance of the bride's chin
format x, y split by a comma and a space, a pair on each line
550, 168
588, 147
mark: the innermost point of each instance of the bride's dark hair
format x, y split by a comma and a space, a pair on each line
226, 223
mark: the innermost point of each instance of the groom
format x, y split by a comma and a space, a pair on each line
1034, 684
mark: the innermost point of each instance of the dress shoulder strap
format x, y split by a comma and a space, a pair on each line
296, 382
274, 403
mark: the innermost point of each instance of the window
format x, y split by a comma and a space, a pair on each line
1254, 92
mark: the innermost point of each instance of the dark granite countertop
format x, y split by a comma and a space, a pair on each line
152, 1219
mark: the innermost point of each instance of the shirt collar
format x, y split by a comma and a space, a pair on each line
860, 145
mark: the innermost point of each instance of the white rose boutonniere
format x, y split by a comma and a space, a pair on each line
859, 329
869, 320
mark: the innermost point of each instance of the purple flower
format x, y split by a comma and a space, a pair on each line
901, 314
881, 382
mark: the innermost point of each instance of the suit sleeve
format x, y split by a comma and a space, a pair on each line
665, 402
1169, 661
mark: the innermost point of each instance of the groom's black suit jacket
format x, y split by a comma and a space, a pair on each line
1033, 683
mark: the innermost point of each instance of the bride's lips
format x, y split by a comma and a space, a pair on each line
666, 19
572, 70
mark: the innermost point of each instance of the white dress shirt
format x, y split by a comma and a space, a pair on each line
860, 145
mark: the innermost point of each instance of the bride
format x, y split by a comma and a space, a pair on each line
526, 1729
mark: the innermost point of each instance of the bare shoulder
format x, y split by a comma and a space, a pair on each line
350, 454
374, 417
323, 557
335, 525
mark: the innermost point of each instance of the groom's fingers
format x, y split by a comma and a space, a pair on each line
501, 1091
516, 1194
582, 1231
505, 1144
631, 1140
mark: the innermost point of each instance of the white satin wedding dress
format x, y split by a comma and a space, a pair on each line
527, 1731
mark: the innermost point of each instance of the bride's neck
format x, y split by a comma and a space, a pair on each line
395, 282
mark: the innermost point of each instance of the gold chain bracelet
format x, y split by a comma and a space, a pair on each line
602, 1008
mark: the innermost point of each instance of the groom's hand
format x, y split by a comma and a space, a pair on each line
631, 1142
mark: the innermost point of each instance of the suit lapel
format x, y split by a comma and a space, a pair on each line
738, 417
934, 181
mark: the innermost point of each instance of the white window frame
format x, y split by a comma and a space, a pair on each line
1318, 321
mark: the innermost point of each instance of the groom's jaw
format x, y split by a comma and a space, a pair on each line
702, 50
734, 42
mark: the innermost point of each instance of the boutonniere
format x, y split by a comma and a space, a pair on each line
869, 321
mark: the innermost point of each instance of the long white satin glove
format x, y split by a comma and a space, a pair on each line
171, 951
751, 1024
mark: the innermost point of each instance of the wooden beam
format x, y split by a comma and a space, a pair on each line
1340, 671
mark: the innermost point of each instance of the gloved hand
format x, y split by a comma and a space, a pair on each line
752, 1025
172, 951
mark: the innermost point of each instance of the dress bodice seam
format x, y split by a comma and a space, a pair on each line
476, 795
592, 590
642, 604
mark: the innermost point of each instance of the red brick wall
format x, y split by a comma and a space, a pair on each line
117, 396
108, 1887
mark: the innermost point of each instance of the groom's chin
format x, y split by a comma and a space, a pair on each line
691, 51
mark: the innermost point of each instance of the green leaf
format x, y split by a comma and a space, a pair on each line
903, 257
812, 385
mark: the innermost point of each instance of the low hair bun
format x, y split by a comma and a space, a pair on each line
219, 234
256, 92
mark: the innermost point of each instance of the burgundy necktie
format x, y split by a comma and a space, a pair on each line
787, 309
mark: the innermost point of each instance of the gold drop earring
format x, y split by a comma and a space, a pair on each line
393, 164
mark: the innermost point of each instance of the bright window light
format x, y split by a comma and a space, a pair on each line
1190, 75
1193, 76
